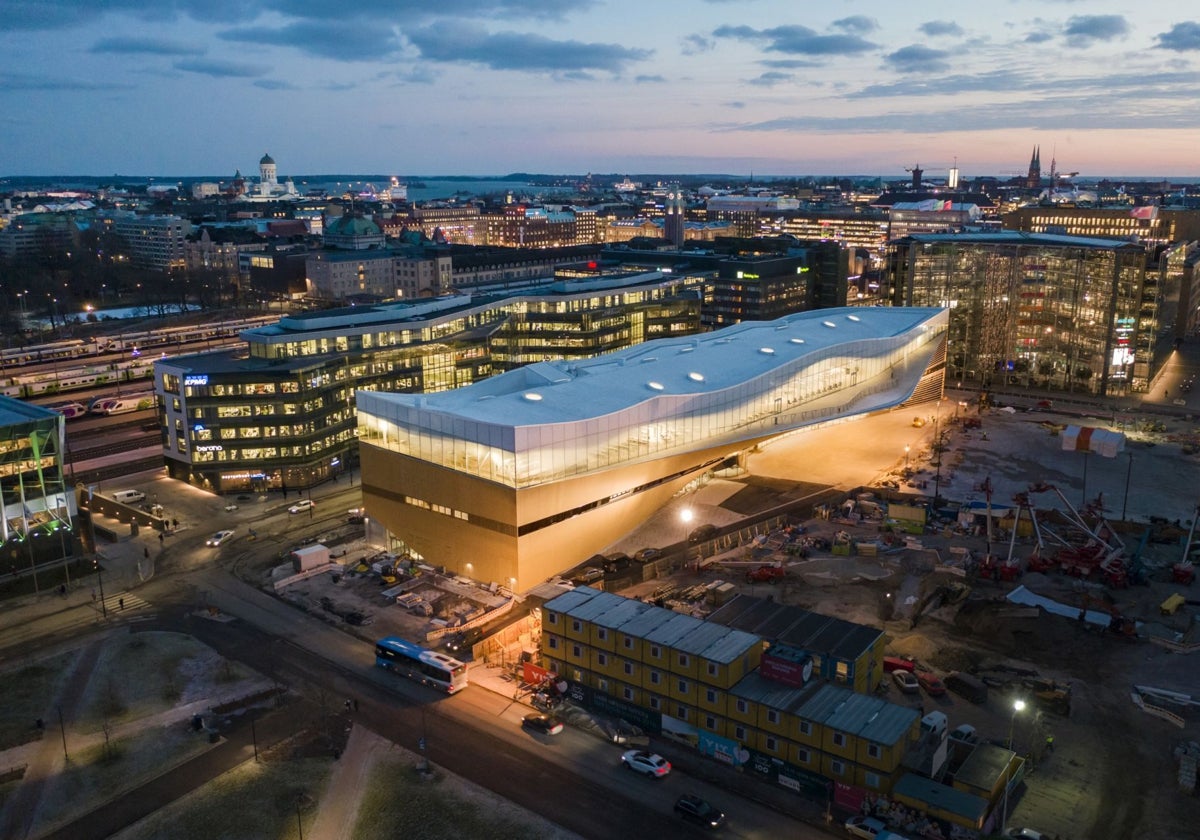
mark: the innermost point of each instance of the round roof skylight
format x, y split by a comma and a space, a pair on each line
829, 324
532, 397
853, 318
796, 340
696, 377
769, 351
655, 386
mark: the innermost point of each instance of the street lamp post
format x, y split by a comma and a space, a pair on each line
1128, 475
906, 448
1018, 705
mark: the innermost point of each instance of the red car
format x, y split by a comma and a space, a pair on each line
930, 682
897, 663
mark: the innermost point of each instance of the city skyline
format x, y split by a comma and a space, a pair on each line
487, 87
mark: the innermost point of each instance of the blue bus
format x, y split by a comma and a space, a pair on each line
425, 666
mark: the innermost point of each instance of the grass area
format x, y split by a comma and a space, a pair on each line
147, 673
254, 800
397, 803
99, 772
28, 694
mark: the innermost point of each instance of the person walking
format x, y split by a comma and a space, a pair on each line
121, 603
1050, 742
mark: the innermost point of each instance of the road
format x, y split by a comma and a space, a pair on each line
573, 779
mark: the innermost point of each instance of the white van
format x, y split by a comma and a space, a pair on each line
128, 497
934, 722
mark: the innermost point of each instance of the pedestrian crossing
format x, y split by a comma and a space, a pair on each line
119, 602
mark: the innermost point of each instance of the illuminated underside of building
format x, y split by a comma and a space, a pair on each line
516, 478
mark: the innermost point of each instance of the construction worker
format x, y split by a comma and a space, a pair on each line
1050, 742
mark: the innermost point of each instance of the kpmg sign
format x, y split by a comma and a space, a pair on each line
196, 379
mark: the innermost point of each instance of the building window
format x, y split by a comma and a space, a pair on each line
713, 670
602, 659
710, 696
683, 660
602, 634
872, 780
577, 625
710, 723
629, 642
838, 767
576, 651
683, 686
739, 733
772, 744
602, 684
874, 750
772, 716
655, 652
655, 678
627, 693
803, 756
742, 706
628, 668
552, 643
839, 739
681, 712
655, 703
805, 727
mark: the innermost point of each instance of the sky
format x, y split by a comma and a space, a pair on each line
488, 87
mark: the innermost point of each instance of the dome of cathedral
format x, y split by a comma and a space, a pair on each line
265, 160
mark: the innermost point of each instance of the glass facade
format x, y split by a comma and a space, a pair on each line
38, 509
801, 389
282, 412
1037, 311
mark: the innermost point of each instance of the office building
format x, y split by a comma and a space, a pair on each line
1035, 310
39, 511
540, 466
158, 243
281, 412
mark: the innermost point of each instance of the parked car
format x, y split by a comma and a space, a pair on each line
898, 663
546, 724
694, 809
588, 575
218, 538
965, 734
231, 506
615, 562
866, 827
906, 682
646, 555
302, 505
648, 764
766, 574
704, 532
931, 683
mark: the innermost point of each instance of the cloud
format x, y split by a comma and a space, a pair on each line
1137, 86
918, 59
737, 103
649, 79
455, 42
696, 44
409, 11
934, 28
19, 82
856, 23
790, 63
798, 40
338, 41
220, 69
274, 84
144, 46
67, 14
1038, 37
1182, 37
1085, 30
770, 79
418, 74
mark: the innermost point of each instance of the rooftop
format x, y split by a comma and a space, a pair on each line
1017, 237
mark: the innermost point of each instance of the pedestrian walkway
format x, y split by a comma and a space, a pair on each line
337, 811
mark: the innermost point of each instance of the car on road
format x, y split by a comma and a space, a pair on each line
1026, 834
906, 681
302, 505
232, 506
546, 724
870, 828
931, 683
694, 809
218, 538
648, 764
